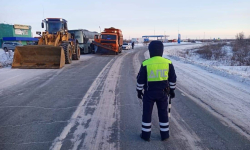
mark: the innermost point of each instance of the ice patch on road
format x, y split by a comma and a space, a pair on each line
11, 77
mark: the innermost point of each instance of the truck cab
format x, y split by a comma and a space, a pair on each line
110, 41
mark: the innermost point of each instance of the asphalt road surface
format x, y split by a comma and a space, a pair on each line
92, 104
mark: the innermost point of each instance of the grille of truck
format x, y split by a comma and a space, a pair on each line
108, 41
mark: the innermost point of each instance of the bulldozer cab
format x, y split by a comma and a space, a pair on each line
53, 25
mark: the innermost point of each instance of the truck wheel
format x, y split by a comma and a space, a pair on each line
77, 55
68, 52
82, 51
89, 51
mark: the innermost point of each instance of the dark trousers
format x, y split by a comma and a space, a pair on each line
161, 99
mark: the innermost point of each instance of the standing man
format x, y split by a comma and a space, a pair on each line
133, 44
158, 79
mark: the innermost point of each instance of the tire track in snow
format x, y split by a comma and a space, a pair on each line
85, 132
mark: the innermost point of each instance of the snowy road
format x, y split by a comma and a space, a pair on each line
225, 97
92, 104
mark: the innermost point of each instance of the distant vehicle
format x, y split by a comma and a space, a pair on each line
10, 45
126, 46
32, 43
84, 38
109, 42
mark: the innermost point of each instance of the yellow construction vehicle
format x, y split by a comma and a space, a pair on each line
56, 47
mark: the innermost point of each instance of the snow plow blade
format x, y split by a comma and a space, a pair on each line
38, 57
104, 49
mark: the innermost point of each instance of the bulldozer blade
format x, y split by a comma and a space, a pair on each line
38, 57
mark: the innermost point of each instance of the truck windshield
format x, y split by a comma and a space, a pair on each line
54, 27
79, 36
108, 37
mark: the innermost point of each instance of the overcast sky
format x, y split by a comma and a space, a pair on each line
215, 18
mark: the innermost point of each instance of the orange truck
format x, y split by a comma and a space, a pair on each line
109, 42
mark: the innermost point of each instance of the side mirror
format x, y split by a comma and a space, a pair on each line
65, 26
42, 25
38, 33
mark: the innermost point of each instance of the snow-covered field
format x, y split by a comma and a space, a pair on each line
223, 95
221, 67
175, 43
5, 58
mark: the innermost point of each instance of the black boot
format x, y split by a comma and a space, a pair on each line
165, 139
148, 140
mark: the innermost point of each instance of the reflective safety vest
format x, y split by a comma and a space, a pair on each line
157, 68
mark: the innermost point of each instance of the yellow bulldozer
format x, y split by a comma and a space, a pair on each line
56, 47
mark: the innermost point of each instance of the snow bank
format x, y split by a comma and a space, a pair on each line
215, 88
6, 58
139, 45
221, 67
175, 43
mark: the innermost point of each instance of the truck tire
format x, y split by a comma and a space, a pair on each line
68, 52
77, 55
89, 50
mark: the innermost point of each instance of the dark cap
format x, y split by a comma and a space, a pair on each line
155, 48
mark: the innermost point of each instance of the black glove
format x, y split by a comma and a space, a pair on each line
172, 94
139, 94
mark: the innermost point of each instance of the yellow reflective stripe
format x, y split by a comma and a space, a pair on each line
156, 59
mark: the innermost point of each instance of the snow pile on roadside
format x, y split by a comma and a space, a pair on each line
176, 43
6, 58
212, 87
222, 67
139, 45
